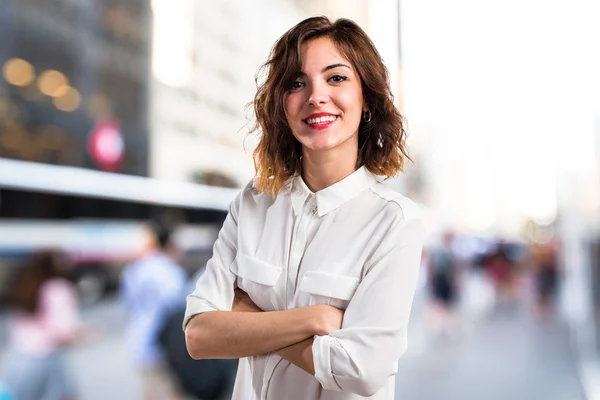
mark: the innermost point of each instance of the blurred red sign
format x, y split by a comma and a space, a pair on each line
106, 145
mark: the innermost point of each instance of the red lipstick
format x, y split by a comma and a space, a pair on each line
321, 124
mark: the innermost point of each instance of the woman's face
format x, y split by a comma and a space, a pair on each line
324, 105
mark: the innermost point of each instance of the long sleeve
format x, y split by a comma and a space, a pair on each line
215, 288
361, 356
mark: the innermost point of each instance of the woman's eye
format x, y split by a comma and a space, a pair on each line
338, 78
296, 85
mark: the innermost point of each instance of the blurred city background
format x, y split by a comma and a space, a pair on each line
118, 113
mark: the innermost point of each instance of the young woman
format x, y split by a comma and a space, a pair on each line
315, 268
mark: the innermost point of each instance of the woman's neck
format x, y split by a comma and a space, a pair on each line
321, 172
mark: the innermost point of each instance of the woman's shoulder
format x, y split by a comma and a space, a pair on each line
253, 193
250, 192
396, 203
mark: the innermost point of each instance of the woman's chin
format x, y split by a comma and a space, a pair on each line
319, 147
328, 144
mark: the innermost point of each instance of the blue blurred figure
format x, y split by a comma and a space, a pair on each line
151, 288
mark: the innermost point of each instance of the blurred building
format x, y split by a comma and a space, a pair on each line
74, 137
204, 56
74, 84
481, 106
579, 190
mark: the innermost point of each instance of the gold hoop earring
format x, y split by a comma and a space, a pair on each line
367, 116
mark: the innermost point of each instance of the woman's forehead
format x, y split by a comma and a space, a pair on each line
319, 53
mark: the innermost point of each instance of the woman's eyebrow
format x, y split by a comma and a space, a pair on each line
327, 68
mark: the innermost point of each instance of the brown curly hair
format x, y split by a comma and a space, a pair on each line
382, 148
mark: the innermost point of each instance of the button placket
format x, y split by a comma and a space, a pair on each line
310, 211
296, 254
298, 248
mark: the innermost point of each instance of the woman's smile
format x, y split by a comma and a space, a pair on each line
320, 120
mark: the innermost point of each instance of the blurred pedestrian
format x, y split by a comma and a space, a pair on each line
151, 288
43, 323
314, 271
209, 379
443, 274
546, 273
502, 270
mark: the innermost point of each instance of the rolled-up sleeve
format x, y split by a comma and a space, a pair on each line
360, 357
215, 288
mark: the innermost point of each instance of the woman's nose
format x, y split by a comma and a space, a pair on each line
318, 96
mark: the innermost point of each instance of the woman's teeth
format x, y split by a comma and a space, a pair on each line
321, 120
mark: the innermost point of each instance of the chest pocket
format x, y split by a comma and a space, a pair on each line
258, 279
319, 287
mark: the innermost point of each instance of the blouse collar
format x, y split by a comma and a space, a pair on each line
333, 196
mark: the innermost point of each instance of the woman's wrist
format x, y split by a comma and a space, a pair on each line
308, 319
316, 319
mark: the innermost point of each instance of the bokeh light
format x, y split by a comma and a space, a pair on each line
68, 101
53, 83
18, 72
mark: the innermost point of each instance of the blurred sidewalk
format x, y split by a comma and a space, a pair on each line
506, 355
590, 376
103, 369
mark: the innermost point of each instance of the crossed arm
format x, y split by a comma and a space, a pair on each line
247, 331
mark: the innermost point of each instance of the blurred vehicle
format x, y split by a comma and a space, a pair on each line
97, 218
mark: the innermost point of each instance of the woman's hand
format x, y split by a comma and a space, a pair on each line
327, 319
243, 303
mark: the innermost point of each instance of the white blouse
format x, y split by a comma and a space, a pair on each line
355, 245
